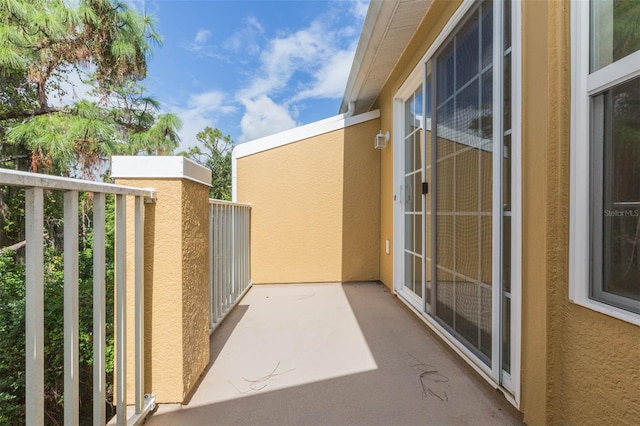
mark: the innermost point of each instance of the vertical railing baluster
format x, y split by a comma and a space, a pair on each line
241, 248
220, 261
121, 326
245, 258
229, 242
230, 259
244, 248
234, 284
223, 258
247, 241
34, 324
34, 327
210, 258
227, 275
71, 355
241, 251
239, 243
216, 282
139, 303
217, 261
99, 308
216, 270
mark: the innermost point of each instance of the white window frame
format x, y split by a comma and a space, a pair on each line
583, 87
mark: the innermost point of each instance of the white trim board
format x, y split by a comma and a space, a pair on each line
155, 167
302, 132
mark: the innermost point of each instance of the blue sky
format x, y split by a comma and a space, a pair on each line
252, 68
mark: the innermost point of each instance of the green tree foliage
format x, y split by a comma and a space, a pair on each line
625, 27
106, 43
215, 154
12, 317
44, 45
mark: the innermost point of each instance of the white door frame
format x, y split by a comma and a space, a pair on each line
408, 88
493, 373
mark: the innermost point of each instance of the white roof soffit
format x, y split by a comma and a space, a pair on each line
387, 30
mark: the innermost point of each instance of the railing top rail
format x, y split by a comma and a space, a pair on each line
36, 180
230, 203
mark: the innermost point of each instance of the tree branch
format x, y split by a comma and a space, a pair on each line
11, 115
14, 247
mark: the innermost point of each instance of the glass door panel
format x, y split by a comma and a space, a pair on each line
505, 319
413, 200
428, 286
464, 184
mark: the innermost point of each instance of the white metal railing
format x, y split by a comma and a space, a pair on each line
34, 185
229, 248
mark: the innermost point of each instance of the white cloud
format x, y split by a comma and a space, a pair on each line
308, 64
264, 117
285, 55
200, 45
330, 79
312, 62
201, 110
359, 8
245, 40
202, 36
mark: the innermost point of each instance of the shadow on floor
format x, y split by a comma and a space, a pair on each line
218, 340
417, 380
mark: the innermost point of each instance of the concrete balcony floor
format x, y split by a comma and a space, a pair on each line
333, 354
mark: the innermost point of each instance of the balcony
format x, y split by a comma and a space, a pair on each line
318, 354
195, 343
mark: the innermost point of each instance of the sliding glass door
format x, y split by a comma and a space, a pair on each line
455, 180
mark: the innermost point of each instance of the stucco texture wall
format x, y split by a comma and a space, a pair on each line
195, 281
176, 287
578, 366
361, 204
314, 217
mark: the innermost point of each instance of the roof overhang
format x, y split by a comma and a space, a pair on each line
387, 30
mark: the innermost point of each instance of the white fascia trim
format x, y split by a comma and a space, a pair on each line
296, 134
364, 48
158, 167
302, 132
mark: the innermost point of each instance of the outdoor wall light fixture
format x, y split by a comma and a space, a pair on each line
381, 140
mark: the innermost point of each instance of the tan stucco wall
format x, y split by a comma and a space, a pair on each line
578, 366
589, 370
361, 204
195, 282
176, 287
313, 220
535, 183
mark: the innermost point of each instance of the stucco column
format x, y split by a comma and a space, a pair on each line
176, 233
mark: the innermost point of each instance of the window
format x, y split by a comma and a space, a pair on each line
605, 211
